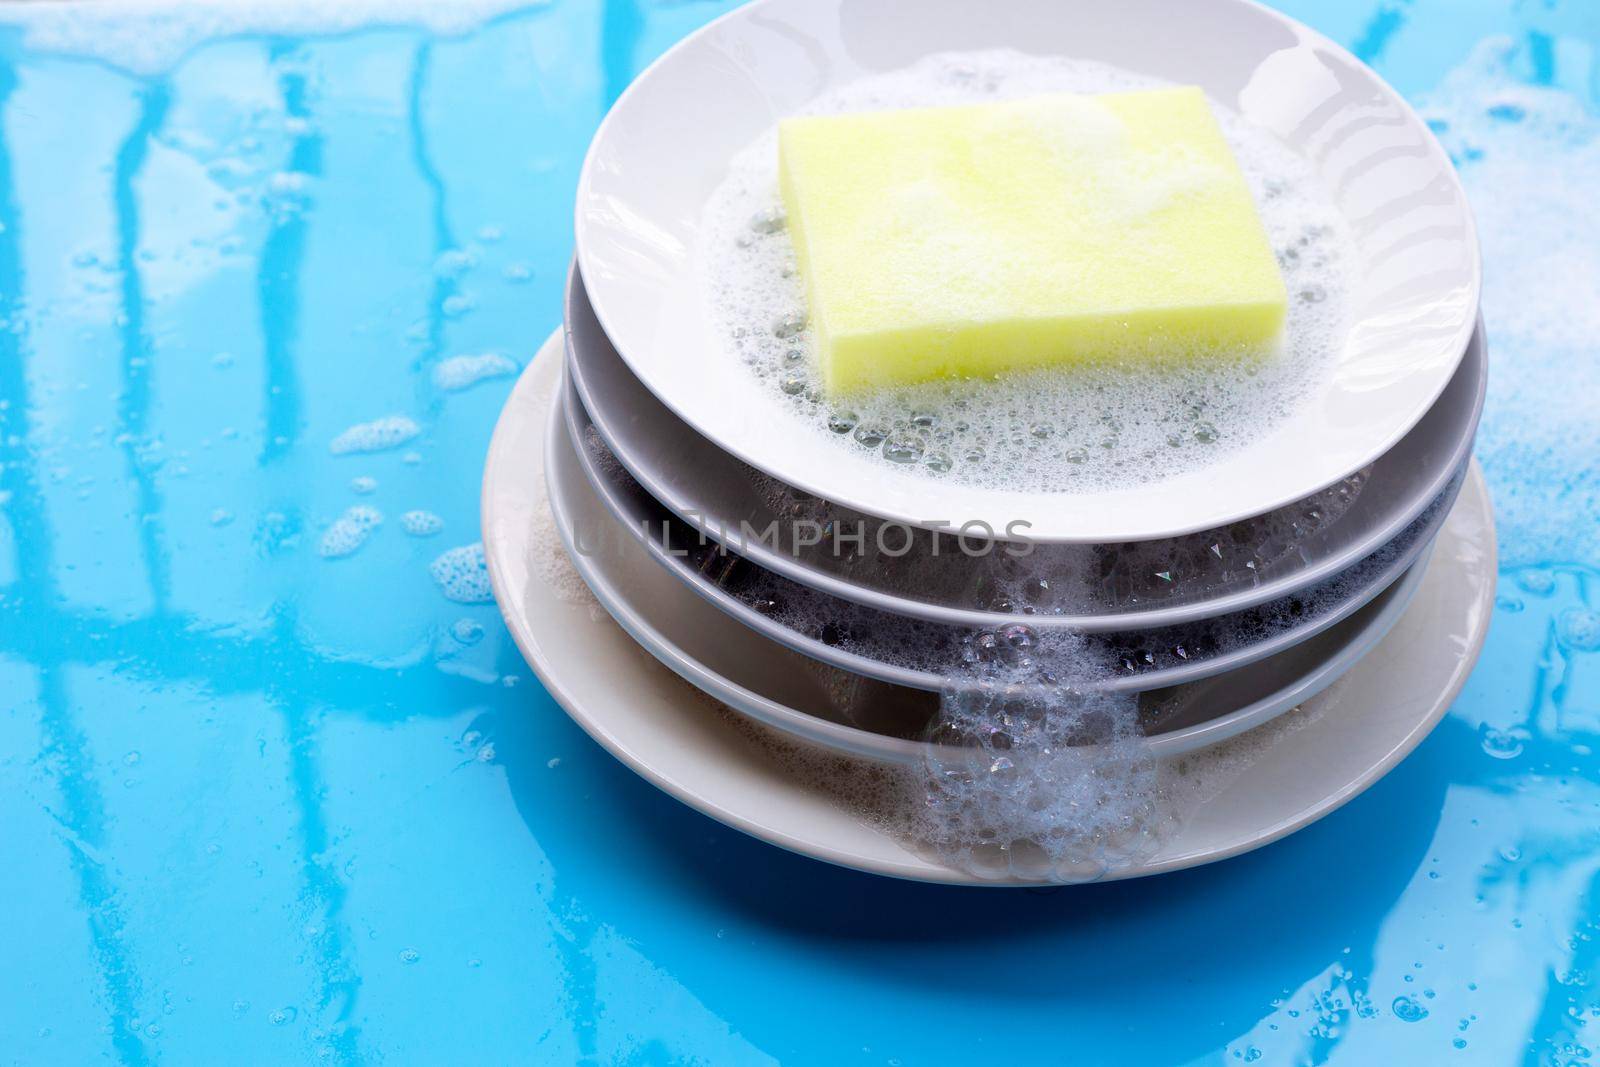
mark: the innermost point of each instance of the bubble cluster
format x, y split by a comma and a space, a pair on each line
346, 534
1115, 423
421, 523
1038, 784
462, 372
1527, 154
379, 435
463, 575
148, 36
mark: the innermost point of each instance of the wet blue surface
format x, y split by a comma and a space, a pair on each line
268, 793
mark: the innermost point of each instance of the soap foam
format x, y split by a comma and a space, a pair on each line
1528, 156
1087, 428
149, 36
462, 372
379, 435
462, 574
346, 534
420, 523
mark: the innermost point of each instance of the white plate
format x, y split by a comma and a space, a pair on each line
666, 144
852, 713
666, 731
714, 493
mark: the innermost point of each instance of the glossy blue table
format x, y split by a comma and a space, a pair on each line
276, 787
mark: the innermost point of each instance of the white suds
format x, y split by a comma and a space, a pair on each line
462, 372
349, 532
1071, 430
149, 36
1530, 157
379, 435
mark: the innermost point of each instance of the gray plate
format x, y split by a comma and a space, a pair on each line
1103, 588
916, 653
861, 716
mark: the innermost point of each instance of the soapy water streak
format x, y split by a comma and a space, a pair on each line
1038, 784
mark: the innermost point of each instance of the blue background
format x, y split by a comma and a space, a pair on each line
266, 800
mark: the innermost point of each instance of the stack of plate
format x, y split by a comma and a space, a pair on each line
690, 498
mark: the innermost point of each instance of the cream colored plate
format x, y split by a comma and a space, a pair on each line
1335, 747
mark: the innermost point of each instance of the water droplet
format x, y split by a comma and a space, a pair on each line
409, 955
1407, 1010
283, 1016
1502, 744
1579, 629
1019, 638
902, 449
769, 221
788, 326
870, 436
467, 631
1538, 582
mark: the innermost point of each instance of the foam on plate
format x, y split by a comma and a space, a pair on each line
1082, 429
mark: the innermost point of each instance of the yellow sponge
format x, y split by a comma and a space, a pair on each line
969, 241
